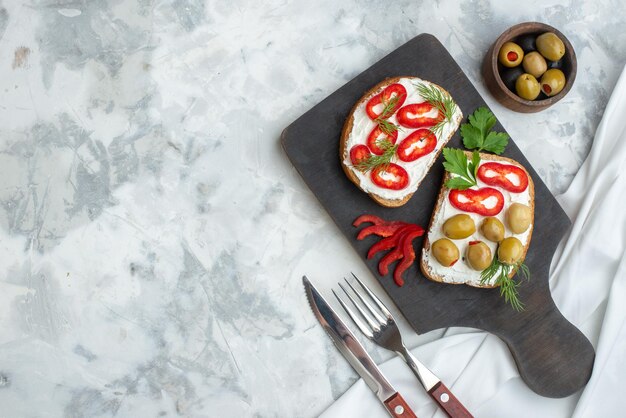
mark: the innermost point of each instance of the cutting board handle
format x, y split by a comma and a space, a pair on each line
552, 363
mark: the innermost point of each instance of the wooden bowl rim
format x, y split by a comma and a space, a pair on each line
521, 29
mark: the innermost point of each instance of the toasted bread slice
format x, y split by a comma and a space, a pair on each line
350, 137
461, 272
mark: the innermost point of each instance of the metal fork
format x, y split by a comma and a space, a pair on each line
378, 325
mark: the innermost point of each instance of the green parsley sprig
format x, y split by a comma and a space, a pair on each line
389, 153
439, 100
477, 134
508, 286
464, 170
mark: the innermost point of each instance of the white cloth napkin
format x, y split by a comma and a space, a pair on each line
588, 282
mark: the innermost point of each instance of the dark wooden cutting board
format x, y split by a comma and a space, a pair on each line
553, 357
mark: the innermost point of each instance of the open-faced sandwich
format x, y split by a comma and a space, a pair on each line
394, 134
482, 223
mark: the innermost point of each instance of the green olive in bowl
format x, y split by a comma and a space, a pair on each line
552, 82
550, 46
534, 64
527, 87
510, 54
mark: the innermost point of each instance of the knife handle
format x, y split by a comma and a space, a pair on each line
398, 408
448, 402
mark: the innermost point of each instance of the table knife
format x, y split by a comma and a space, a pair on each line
356, 355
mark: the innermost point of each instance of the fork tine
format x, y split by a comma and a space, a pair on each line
373, 325
369, 307
378, 302
364, 329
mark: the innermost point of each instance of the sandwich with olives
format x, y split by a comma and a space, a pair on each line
482, 223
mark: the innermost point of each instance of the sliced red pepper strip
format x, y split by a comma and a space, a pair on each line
416, 145
377, 135
408, 254
412, 115
390, 176
368, 219
391, 91
382, 230
390, 257
389, 242
495, 174
485, 201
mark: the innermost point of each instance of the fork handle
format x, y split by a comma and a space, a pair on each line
448, 402
435, 387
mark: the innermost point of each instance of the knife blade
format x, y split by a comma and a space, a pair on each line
356, 355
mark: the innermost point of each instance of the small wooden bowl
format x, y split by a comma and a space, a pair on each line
491, 69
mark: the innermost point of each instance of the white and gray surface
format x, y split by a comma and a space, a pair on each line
152, 232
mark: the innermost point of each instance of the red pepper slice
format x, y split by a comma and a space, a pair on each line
416, 145
390, 242
368, 219
495, 174
478, 201
408, 253
359, 154
382, 230
390, 176
394, 90
412, 116
390, 257
376, 135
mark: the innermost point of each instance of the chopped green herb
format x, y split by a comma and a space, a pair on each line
389, 152
508, 286
440, 100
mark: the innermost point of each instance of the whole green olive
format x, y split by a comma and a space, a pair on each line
478, 255
527, 87
510, 250
445, 252
552, 82
459, 226
510, 54
550, 46
518, 218
534, 64
492, 229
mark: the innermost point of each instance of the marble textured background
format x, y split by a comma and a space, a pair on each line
152, 232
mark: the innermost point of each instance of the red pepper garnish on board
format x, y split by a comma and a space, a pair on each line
416, 145
399, 242
391, 91
384, 263
372, 219
376, 135
382, 230
495, 174
391, 241
413, 115
359, 154
485, 201
408, 253
390, 176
